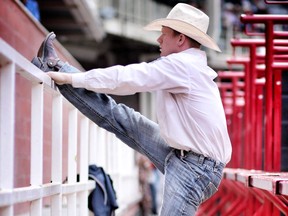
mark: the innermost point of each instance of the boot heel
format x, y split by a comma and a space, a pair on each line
38, 63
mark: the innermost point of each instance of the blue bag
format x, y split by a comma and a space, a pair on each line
102, 200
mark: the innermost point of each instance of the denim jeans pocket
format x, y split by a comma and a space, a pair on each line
210, 190
206, 181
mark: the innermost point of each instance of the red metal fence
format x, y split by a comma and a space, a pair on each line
255, 182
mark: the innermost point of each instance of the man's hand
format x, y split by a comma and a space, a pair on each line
60, 78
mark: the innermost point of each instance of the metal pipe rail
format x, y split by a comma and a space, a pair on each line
264, 191
235, 117
252, 108
250, 97
276, 2
252, 71
270, 35
269, 20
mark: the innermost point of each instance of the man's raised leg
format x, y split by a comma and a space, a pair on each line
129, 126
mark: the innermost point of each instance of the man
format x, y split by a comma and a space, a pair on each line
190, 145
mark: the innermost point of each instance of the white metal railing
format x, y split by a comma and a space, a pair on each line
87, 144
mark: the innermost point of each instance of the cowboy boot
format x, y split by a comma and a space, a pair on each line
47, 59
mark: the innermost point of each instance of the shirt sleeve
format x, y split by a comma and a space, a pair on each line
166, 73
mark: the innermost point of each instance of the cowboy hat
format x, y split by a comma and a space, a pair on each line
189, 21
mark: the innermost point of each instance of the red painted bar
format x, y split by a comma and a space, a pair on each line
268, 165
247, 126
257, 42
280, 49
250, 90
236, 126
270, 145
277, 67
259, 103
275, 158
237, 200
277, 117
250, 98
267, 191
275, 2
280, 34
273, 204
264, 18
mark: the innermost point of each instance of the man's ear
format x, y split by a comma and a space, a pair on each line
181, 39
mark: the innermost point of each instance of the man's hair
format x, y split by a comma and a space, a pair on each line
193, 43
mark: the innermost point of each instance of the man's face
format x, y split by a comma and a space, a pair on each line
167, 41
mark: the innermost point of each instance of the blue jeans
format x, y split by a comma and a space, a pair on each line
190, 178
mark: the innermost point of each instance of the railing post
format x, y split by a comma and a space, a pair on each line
259, 103
101, 149
252, 113
72, 159
269, 98
57, 129
7, 130
92, 143
84, 135
277, 121
36, 178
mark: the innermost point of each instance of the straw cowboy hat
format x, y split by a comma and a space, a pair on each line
189, 21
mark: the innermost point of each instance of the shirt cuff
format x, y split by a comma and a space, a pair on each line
78, 80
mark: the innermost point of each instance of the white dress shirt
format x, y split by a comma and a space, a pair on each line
189, 108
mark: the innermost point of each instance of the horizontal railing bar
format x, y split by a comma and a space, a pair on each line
23, 66
256, 42
229, 85
275, 65
26, 194
275, 2
231, 73
77, 187
26, 69
263, 18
